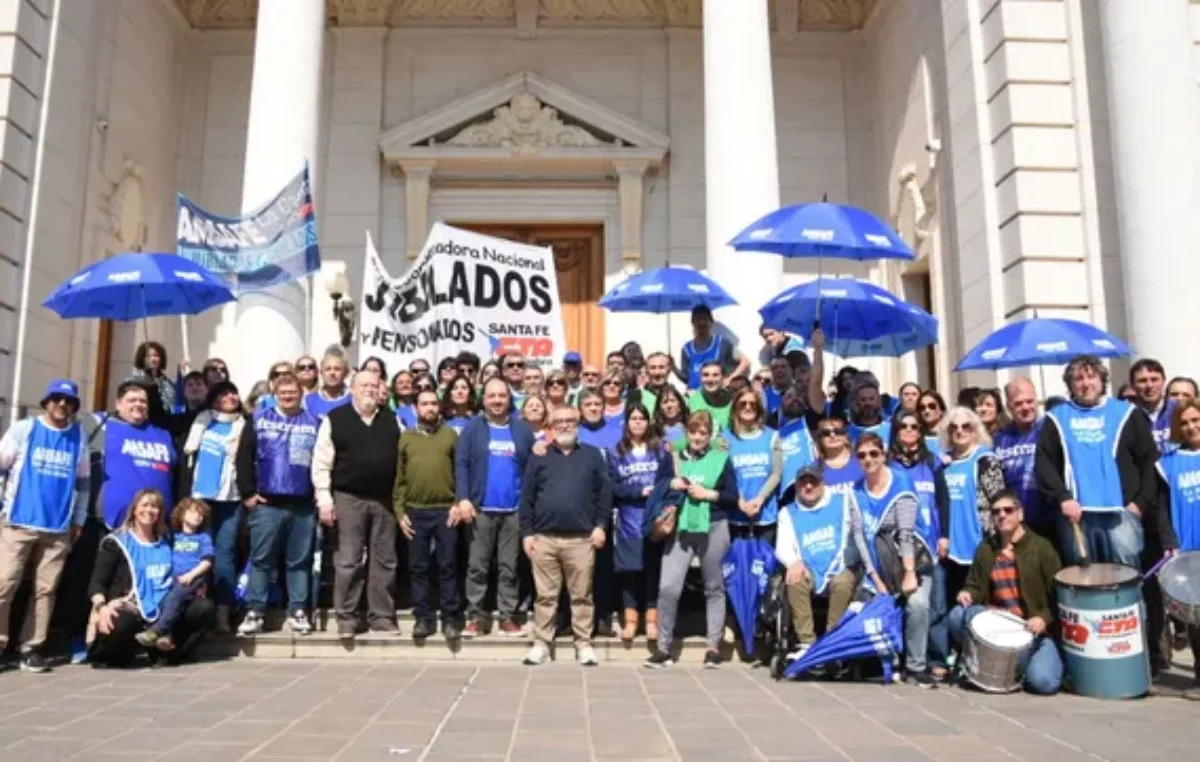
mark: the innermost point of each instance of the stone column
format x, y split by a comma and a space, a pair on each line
741, 169
417, 177
283, 133
1153, 112
631, 184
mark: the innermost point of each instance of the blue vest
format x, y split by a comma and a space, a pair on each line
771, 400
407, 416
135, 458
796, 442
934, 445
965, 531
1180, 469
843, 479
317, 404
283, 456
821, 533
636, 471
150, 567
751, 459
883, 429
928, 526
1016, 452
45, 494
1089, 439
210, 460
875, 509
697, 359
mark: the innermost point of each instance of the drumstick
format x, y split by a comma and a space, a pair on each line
1081, 546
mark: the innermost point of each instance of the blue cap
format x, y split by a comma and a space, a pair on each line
64, 387
572, 357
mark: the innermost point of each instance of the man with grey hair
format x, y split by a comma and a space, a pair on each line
1015, 446
1095, 462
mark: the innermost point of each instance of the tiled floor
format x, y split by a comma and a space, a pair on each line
295, 709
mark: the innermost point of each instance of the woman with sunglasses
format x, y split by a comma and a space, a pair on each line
705, 475
757, 465
909, 454
459, 405
837, 460
558, 390
447, 371
307, 372
887, 500
670, 416
612, 391
974, 477
930, 408
635, 465
990, 409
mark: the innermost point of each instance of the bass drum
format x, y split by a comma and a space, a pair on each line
1179, 581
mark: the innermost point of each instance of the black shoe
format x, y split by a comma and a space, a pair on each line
712, 659
921, 680
451, 629
32, 661
423, 629
658, 660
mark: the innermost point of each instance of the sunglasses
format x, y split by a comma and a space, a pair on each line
612, 383
909, 426
831, 433
808, 481
60, 399
1004, 510
424, 387
556, 382
508, 365
964, 427
306, 366
931, 406
217, 368
591, 375
869, 454
748, 405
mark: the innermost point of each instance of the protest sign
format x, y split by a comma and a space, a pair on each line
464, 292
273, 245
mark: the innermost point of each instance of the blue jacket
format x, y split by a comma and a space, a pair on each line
471, 457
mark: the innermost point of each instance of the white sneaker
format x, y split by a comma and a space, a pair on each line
250, 626
586, 655
299, 624
538, 654
798, 652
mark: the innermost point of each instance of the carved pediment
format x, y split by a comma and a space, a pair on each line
525, 125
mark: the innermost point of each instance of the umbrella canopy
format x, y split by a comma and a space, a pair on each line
666, 289
134, 286
860, 319
876, 630
1041, 341
823, 229
747, 567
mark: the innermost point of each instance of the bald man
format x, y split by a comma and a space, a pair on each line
1016, 445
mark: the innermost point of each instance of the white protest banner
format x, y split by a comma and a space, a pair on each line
464, 292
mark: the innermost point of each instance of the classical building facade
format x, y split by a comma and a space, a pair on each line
1040, 156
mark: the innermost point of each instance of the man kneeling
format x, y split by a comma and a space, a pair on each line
814, 534
1013, 570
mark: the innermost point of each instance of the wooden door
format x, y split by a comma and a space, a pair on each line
579, 265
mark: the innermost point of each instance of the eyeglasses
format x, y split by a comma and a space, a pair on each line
831, 433
966, 427
869, 454
1004, 510
909, 426
306, 366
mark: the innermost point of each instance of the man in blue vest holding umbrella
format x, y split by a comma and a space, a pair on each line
45, 470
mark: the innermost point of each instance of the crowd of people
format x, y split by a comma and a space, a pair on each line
582, 495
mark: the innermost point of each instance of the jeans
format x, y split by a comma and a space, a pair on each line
939, 630
916, 624
1041, 663
174, 604
493, 534
677, 559
1114, 537
227, 520
432, 538
272, 528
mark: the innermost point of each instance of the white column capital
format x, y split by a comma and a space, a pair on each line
417, 168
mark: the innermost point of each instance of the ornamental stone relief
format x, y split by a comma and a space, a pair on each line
525, 125
608, 10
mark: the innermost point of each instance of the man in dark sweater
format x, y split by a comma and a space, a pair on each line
566, 502
353, 474
428, 516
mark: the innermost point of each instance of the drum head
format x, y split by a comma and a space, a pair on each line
1180, 578
1001, 629
1097, 575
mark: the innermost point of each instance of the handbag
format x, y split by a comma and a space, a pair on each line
663, 525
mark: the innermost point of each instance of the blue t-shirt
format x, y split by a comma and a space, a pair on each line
503, 480
210, 460
188, 550
320, 405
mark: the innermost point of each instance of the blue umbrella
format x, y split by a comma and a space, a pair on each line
823, 229
1041, 341
747, 568
875, 630
666, 289
134, 286
860, 319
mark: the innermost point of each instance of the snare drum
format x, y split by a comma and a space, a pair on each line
996, 644
1179, 581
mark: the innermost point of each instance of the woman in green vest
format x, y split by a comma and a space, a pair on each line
712, 395
706, 480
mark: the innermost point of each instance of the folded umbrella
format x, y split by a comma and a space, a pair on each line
747, 568
875, 630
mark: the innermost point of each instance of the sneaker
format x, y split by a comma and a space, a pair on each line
146, 638
586, 656
32, 661
538, 654
658, 660
166, 644
451, 629
712, 659
252, 625
511, 629
423, 629
299, 624
921, 680
473, 630
799, 651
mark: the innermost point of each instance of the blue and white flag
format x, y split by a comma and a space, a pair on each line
274, 244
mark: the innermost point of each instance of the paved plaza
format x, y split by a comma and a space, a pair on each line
357, 710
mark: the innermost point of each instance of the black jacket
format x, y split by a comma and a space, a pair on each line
112, 576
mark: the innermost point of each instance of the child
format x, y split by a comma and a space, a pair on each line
191, 560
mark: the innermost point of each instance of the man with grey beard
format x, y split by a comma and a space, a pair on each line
566, 503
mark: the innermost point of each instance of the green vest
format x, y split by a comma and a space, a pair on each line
694, 515
650, 400
696, 402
